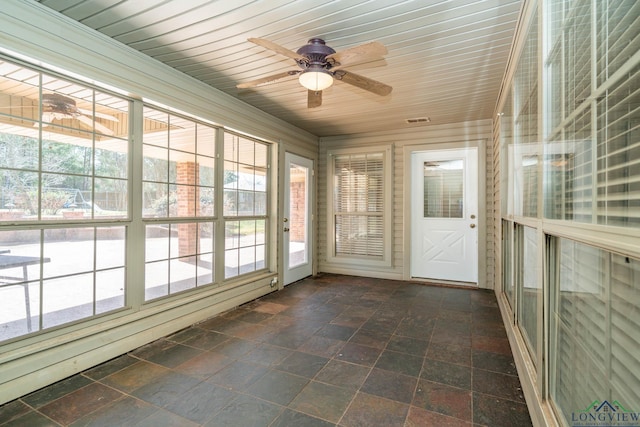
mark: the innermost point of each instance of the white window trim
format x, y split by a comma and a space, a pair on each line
387, 215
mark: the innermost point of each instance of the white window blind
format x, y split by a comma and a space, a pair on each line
526, 126
619, 153
594, 103
595, 329
358, 204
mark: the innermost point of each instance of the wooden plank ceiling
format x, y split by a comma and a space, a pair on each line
445, 61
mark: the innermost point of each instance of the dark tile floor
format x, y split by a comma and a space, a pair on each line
331, 350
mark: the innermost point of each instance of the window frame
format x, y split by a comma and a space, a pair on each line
387, 211
227, 218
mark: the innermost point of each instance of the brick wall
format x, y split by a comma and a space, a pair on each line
297, 211
188, 205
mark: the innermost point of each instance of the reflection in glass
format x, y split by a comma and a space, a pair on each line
179, 256
298, 199
82, 275
595, 330
529, 287
443, 189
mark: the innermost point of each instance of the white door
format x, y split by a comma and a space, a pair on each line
297, 221
444, 215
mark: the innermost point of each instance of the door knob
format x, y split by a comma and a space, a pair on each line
285, 220
472, 226
286, 229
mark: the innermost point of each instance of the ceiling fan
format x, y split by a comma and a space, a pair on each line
320, 65
57, 107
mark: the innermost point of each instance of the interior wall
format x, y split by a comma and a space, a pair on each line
456, 135
38, 35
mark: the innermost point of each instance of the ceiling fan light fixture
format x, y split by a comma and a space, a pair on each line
316, 80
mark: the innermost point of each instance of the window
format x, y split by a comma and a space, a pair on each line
245, 204
178, 203
526, 149
360, 206
594, 327
592, 154
529, 287
508, 285
64, 210
73, 203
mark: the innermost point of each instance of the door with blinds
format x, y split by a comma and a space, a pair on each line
297, 225
444, 215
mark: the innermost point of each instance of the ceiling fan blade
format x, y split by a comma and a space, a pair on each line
268, 80
365, 52
276, 48
314, 98
86, 121
363, 82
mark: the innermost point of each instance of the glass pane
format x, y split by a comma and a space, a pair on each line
19, 152
182, 134
155, 200
245, 203
595, 331
359, 235
71, 251
247, 260
230, 175
109, 162
67, 299
206, 201
186, 201
618, 152
507, 262
261, 156
261, 225
232, 234
247, 233
246, 151
260, 200
529, 288
110, 290
155, 165
231, 147
206, 259
506, 157
230, 203
110, 247
298, 199
231, 263
261, 255
156, 280
156, 127
20, 264
110, 198
206, 140
182, 273
569, 172
157, 242
182, 167
443, 189
206, 170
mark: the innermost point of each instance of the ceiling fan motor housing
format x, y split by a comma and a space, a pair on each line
315, 51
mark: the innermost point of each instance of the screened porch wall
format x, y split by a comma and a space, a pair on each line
40, 359
566, 223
